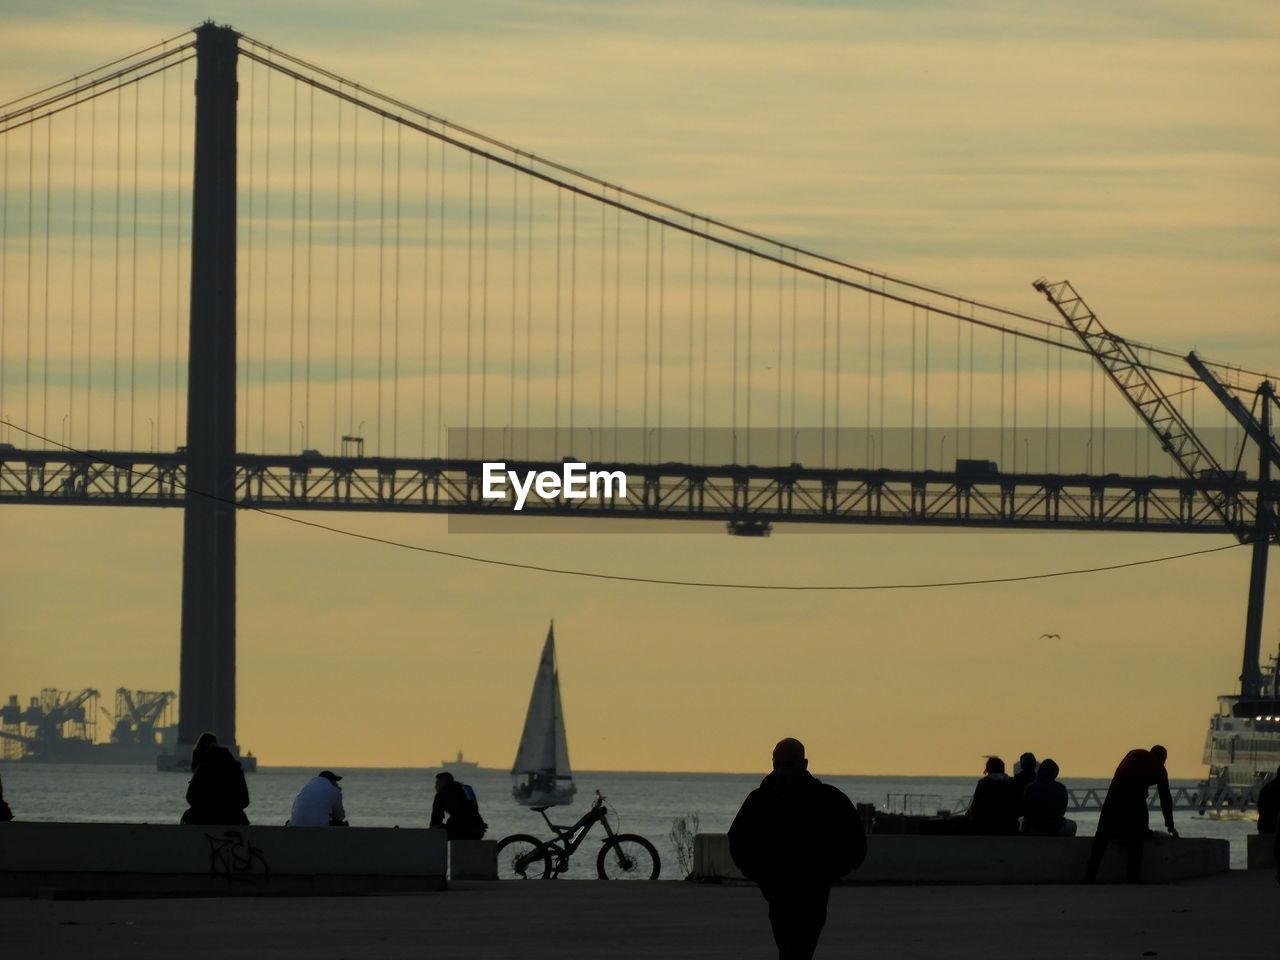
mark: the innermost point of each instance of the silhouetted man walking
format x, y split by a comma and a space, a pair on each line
795, 836
1124, 816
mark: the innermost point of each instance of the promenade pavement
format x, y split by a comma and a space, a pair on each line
1234, 916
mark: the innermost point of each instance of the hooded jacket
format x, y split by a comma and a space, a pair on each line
803, 833
217, 793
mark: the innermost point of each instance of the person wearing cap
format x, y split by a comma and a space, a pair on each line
319, 803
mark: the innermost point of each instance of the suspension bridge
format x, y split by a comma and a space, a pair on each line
231, 278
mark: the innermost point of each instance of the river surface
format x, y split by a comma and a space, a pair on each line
644, 803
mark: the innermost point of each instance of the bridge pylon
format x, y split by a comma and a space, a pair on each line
208, 665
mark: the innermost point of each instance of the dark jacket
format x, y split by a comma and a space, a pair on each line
996, 805
464, 813
1044, 803
217, 793
807, 833
1269, 806
1124, 811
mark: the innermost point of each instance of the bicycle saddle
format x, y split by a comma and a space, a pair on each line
542, 809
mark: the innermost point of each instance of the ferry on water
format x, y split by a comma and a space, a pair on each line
1242, 747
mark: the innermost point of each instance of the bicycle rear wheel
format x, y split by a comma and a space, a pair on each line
627, 856
520, 857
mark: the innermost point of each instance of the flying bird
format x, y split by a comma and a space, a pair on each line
1050, 636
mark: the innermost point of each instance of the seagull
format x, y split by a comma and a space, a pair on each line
1050, 636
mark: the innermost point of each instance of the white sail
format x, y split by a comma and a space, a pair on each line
542, 760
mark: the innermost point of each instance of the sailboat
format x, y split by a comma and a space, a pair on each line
541, 773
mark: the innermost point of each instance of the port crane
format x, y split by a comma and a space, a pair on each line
40, 727
138, 714
1253, 522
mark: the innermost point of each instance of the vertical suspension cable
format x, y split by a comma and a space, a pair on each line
337, 273
249, 258
528, 315
926, 387
515, 283
440, 283
4, 276
689, 414
866, 452
794, 304
48, 200
1016, 344
484, 314
311, 217
662, 327
839, 371
382, 271
644, 420
733, 407
880, 445
161, 249
351, 333
822, 416
115, 289
31, 191
750, 344
93, 194
604, 212
573, 310
706, 336
395, 309
133, 279
177, 243
912, 433
471, 213
777, 416
293, 261
555, 433
426, 288
617, 316
970, 434
266, 271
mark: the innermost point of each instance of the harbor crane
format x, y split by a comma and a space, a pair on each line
1251, 522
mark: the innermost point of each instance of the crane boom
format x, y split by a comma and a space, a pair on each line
1125, 368
1256, 431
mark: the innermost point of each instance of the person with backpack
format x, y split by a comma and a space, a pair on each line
458, 802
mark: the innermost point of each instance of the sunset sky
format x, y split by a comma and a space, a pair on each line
1129, 146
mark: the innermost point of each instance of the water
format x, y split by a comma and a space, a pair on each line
643, 803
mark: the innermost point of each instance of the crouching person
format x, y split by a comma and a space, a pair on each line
795, 836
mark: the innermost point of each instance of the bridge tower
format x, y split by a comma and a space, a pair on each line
208, 664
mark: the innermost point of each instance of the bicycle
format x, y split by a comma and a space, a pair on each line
623, 856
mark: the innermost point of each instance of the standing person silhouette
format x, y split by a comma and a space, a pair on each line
1124, 816
795, 836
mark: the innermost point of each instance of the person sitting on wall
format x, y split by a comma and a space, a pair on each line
319, 803
458, 801
216, 793
1044, 805
996, 802
1026, 774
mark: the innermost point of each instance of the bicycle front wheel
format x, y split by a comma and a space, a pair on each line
521, 857
628, 857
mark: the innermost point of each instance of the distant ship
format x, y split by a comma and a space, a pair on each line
1242, 750
541, 769
459, 765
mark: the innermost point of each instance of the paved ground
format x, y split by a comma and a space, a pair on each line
1233, 916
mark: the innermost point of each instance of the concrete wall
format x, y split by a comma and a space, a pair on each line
1261, 851
161, 860
907, 859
